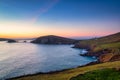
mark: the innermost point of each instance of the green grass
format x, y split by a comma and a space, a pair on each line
66, 75
115, 45
104, 74
92, 43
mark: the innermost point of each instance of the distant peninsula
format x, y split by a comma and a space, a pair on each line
52, 39
8, 40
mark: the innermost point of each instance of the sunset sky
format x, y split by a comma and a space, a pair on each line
68, 18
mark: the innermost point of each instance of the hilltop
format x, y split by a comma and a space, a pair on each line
91, 43
52, 39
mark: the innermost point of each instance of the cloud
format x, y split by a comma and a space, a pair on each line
43, 9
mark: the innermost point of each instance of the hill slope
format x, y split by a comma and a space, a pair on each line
105, 48
51, 39
103, 74
91, 43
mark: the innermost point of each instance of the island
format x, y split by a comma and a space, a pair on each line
51, 39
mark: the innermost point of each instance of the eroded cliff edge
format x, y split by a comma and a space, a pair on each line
105, 48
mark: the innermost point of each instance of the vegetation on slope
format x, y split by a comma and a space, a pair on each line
104, 74
68, 74
106, 48
92, 43
113, 46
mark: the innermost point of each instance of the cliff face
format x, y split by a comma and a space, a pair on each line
109, 57
51, 39
106, 48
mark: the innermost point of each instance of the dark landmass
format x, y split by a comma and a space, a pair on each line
8, 40
11, 41
51, 39
106, 48
4, 39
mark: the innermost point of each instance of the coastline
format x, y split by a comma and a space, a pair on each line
58, 71
100, 48
54, 72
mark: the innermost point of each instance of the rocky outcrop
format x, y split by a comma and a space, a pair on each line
51, 39
109, 57
11, 41
105, 55
98, 53
106, 48
82, 46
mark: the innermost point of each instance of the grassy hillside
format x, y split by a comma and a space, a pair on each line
114, 46
68, 74
92, 43
103, 74
106, 48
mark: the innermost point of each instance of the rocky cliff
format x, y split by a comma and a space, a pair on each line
106, 48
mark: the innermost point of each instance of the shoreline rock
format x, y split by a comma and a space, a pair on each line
102, 47
11, 41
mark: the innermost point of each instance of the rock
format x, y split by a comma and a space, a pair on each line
24, 41
8, 40
109, 57
93, 54
11, 41
82, 46
51, 39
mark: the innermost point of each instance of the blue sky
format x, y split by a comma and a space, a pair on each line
102, 16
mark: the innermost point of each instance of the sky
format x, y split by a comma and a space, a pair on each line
67, 18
